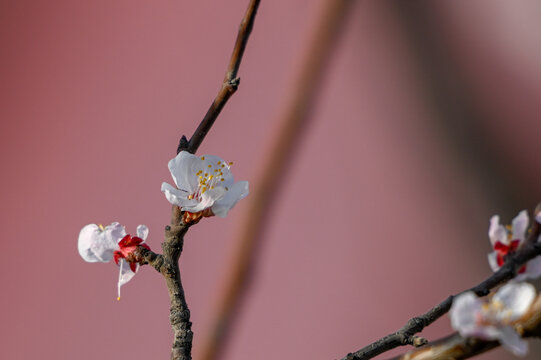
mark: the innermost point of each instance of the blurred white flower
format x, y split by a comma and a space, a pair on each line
493, 320
203, 183
506, 240
101, 244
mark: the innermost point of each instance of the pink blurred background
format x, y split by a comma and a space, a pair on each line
425, 125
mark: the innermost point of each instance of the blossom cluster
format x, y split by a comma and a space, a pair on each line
204, 187
495, 318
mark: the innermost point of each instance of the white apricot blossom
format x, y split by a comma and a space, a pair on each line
101, 244
506, 240
494, 320
203, 182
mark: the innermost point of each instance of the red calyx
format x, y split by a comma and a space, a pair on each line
503, 250
127, 246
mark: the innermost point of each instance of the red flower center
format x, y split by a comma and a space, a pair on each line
127, 246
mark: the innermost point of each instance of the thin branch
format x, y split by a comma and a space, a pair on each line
230, 84
292, 122
406, 335
457, 347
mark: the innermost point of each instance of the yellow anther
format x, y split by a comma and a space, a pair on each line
498, 305
101, 227
222, 179
202, 158
223, 165
212, 187
203, 190
118, 298
190, 197
219, 162
230, 163
210, 166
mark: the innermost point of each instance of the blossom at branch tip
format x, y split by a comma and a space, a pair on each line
494, 320
506, 240
101, 244
204, 185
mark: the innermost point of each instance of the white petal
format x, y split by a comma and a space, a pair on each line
493, 262
538, 218
237, 192
533, 268
486, 332
207, 200
516, 298
463, 312
95, 245
520, 225
125, 274
183, 169
512, 341
142, 232
115, 232
497, 232
176, 196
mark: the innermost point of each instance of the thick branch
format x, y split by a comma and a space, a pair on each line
406, 335
230, 84
457, 347
179, 312
167, 264
147, 257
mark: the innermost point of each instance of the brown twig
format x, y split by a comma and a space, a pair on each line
167, 264
230, 84
406, 335
457, 347
292, 122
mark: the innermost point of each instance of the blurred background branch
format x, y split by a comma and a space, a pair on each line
325, 32
458, 115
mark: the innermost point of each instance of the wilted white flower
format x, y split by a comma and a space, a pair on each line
203, 183
506, 240
101, 244
493, 320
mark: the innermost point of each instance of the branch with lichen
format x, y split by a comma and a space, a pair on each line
167, 264
407, 334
